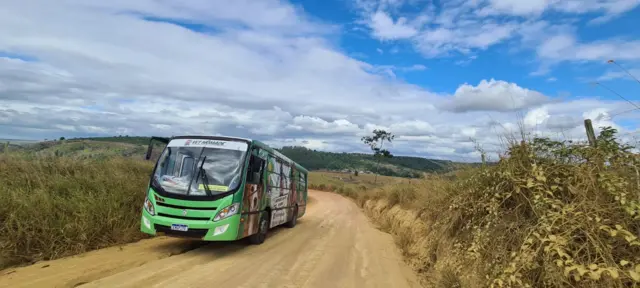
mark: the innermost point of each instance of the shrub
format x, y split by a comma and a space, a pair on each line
554, 214
549, 214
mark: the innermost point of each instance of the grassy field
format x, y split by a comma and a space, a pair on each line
58, 206
550, 214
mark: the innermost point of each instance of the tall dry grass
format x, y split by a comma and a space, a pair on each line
58, 206
551, 214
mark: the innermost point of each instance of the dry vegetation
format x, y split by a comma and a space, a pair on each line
330, 181
551, 214
58, 206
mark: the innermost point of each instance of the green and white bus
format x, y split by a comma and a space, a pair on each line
221, 189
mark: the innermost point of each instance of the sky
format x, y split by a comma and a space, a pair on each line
446, 77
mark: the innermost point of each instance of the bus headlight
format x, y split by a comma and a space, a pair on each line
227, 212
149, 206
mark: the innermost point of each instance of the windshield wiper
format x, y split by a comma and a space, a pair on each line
205, 178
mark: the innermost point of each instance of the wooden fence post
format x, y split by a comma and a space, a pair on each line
591, 135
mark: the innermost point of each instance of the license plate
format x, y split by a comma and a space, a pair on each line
179, 227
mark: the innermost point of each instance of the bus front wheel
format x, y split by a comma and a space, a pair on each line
263, 228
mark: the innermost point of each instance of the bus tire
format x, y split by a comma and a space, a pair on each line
292, 223
263, 228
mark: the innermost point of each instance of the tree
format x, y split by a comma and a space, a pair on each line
376, 142
61, 138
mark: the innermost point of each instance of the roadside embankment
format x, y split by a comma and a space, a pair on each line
550, 214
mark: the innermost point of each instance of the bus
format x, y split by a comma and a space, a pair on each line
218, 188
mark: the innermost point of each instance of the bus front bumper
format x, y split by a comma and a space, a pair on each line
223, 230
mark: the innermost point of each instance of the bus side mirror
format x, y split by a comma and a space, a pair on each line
150, 147
148, 155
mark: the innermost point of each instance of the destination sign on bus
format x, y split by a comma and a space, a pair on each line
209, 143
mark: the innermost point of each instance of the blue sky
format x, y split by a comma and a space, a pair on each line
441, 75
505, 60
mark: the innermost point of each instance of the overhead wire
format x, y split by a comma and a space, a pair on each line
618, 94
623, 112
625, 70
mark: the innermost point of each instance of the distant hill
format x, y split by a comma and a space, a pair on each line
79, 148
400, 166
120, 139
18, 141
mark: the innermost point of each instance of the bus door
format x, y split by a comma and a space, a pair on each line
253, 198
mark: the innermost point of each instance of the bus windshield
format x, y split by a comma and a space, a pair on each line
200, 167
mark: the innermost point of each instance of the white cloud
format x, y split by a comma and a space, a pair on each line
514, 7
554, 44
390, 70
321, 126
494, 95
385, 28
564, 120
536, 117
608, 7
270, 15
270, 72
314, 144
565, 47
465, 62
619, 74
416, 67
534, 8
477, 35
412, 128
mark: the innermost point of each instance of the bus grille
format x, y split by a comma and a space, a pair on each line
191, 233
184, 217
186, 207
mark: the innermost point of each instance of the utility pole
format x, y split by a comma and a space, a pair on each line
588, 126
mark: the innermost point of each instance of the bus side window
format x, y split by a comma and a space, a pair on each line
256, 164
303, 181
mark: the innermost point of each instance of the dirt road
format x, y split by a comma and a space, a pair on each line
333, 245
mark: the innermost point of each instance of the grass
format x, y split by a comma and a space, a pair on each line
550, 214
330, 181
58, 206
